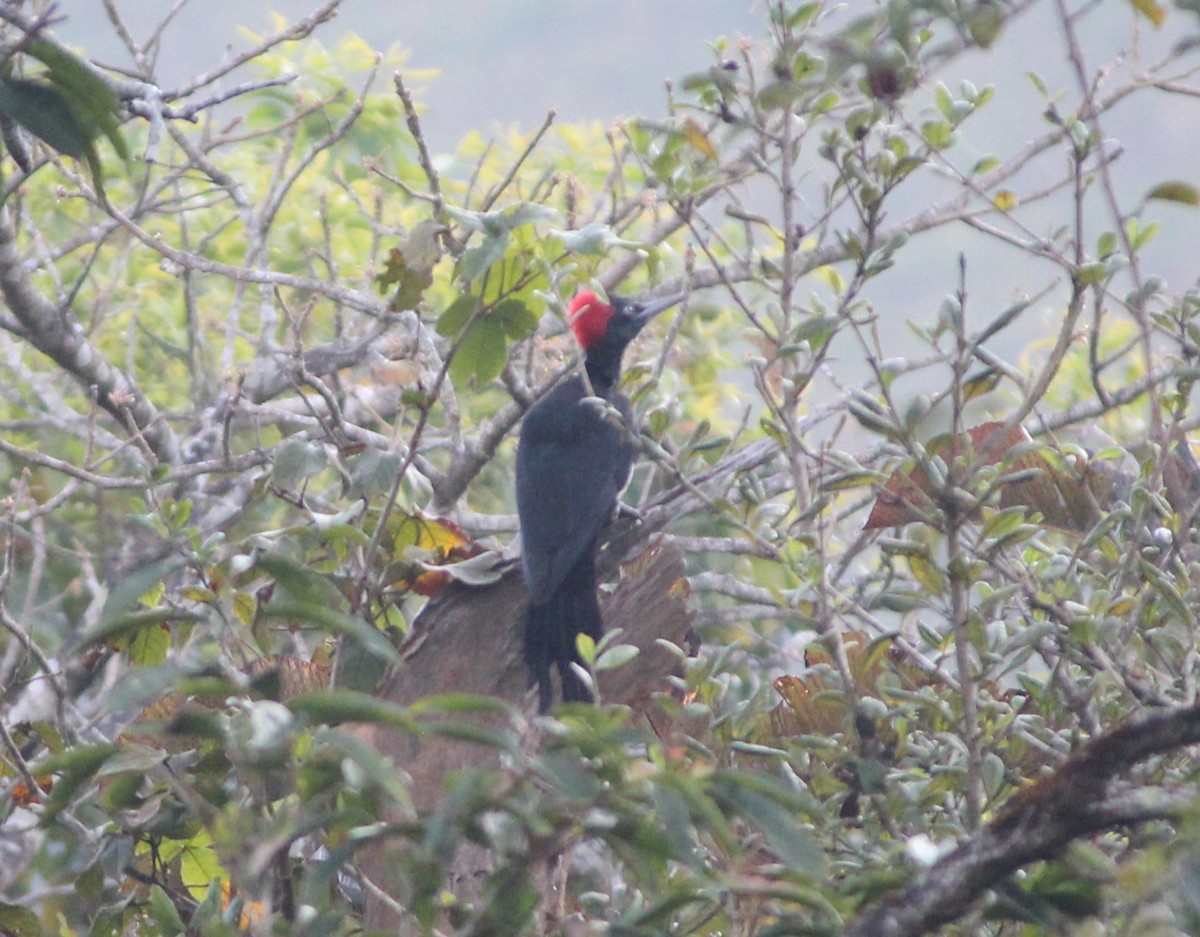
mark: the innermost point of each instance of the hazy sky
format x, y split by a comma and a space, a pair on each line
500, 62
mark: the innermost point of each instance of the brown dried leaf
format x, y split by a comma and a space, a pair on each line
907, 497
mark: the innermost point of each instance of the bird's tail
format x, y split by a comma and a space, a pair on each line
551, 628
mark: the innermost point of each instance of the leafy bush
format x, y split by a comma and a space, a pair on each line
263, 358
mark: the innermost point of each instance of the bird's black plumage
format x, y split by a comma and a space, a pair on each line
573, 460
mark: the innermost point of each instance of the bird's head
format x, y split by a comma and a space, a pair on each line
614, 323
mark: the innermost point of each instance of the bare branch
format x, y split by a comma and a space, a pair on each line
1039, 823
56, 333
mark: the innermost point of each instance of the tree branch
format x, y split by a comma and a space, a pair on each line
1037, 825
56, 333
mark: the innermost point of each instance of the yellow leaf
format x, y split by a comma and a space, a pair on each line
982, 383
1122, 606
426, 534
698, 138
254, 913
244, 607
931, 579
199, 865
1005, 200
1152, 10
356, 52
832, 278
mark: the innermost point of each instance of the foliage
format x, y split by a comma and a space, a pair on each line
259, 382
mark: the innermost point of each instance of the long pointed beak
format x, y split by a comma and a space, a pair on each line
649, 309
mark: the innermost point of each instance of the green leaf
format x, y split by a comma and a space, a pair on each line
594, 238
816, 330
850, 479
677, 825
333, 707
295, 461
199, 865
872, 416
787, 839
516, 318
585, 644
131, 624
1180, 192
778, 95
77, 766
149, 646
1002, 523
1166, 588
457, 314
96, 105
410, 282
300, 583
1139, 234
373, 473
43, 111
481, 353
616, 656
565, 770
164, 912
900, 600
68, 111
944, 101
475, 734
803, 14
134, 758
18, 921
375, 767
984, 23
825, 103
937, 134
478, 260
471, 703
109, 921
523, 214
128, 592
335, 622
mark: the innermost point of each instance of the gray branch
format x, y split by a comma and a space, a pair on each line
57, 334
1077, 800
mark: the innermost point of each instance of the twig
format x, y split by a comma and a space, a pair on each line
490, 199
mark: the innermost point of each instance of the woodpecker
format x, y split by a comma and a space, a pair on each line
573, 461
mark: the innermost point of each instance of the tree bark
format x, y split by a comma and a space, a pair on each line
468, 640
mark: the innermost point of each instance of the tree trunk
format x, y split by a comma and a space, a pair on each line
468, 640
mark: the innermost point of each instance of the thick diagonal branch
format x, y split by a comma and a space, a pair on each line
56, 333
1079, 799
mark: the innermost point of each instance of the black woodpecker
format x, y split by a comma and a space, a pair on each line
572, 464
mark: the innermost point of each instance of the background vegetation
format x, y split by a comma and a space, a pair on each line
264, 355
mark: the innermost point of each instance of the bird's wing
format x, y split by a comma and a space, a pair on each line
571, 467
